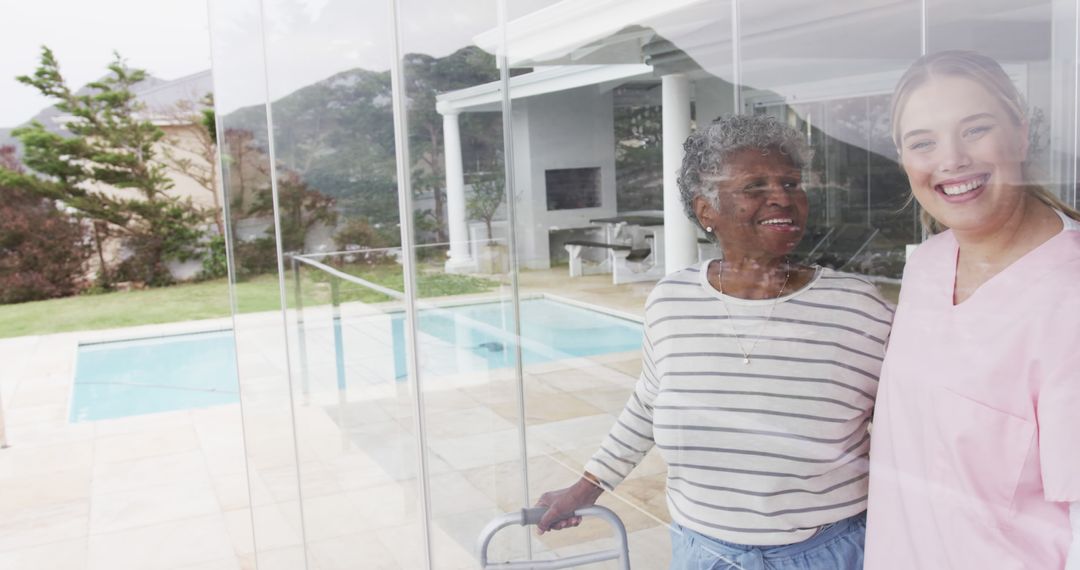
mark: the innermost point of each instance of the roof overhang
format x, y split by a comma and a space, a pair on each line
554, 31
489, 96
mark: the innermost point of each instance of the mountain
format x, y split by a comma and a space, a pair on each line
338, 133
49, 115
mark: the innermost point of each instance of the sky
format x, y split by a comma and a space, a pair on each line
307, 41
168, 38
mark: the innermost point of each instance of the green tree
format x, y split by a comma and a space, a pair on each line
425, 78
639, 157
488, 193
247, 178
300, 207
107, 171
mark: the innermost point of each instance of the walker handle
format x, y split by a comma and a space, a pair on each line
531, 516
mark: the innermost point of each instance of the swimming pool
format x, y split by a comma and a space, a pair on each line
143, 376
550, 330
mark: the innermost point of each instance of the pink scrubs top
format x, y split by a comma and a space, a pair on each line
975, 446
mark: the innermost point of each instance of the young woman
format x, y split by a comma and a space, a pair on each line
975, 457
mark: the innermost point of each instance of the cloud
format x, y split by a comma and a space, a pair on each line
169, 38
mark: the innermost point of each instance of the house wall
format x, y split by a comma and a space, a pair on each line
186, 145
183, 141
567, 129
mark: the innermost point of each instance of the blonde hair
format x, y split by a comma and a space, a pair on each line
987, 73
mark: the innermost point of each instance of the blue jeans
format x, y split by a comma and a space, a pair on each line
838, 546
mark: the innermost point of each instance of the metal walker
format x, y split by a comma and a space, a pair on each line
529, 517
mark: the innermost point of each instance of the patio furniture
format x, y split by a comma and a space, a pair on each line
635, 248
580, 266
529, 517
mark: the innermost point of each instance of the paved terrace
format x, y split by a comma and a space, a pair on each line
171, 490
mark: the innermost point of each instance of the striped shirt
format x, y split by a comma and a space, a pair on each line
763, 453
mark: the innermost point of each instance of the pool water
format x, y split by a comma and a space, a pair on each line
550, 330
146, 376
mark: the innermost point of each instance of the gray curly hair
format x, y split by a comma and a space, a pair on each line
707, 150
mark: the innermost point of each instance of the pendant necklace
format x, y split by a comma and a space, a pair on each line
738, 338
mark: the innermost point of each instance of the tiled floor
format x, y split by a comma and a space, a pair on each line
174, 491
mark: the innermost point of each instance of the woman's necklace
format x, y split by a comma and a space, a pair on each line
738, 338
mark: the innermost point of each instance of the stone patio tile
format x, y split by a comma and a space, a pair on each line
467, 452
30, 394
178, 468
290, 558
467, 421
611, 401
333, 516
52, 413
167, 545
111, 512
48, 433
226, 458
448, 554
359, 470
63, 555
502, 483
142, 423
144, 444
317, 480
276, 527
230, 563
547, 407
44, 524
573, 433
232, 491
630, 367
29, 460
576, 380
43, 490
351, 551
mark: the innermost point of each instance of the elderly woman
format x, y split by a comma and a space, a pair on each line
975, 458
758, 374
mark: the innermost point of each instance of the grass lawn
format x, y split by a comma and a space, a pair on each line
210, 299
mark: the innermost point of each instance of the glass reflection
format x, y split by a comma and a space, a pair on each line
961, 128
539, 146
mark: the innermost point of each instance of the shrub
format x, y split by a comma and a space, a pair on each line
43, 251
357, 234
215, 260
360, 236
255, 257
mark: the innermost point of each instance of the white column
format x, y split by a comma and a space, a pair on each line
680, 234
460, 260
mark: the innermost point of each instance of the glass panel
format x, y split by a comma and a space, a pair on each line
466, 307
614, 90
541, 141
269, 519
1038, 51
338, 224
833, 81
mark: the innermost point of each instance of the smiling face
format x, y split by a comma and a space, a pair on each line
762, 205
963, 153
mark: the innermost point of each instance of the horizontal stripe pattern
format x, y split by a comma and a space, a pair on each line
763, 453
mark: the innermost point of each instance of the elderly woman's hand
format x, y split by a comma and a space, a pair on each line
562, 503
